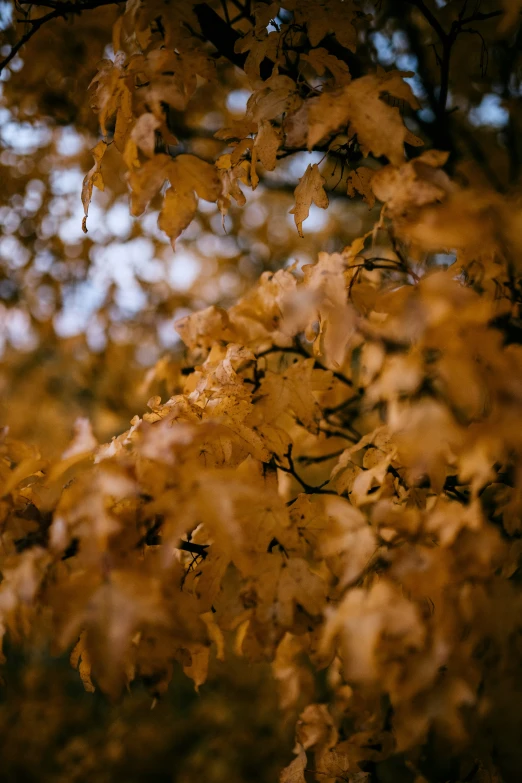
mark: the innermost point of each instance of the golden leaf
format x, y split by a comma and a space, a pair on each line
379, 127
93, 178
309, 190
266, 145
177, 212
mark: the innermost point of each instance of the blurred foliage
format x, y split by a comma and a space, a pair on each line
52, 732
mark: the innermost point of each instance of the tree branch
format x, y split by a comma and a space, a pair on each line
308, 489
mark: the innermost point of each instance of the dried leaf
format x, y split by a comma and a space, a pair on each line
93, 179
309, 190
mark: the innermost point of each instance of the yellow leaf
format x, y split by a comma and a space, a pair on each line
146, 181
93, 178
379, 126
309, 190
177, 212
190, 172
124, 118
266, 145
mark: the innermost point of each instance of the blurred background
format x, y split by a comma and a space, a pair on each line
52, 731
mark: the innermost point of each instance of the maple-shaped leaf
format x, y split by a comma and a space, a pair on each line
277, 95
257, 317
290, 390
359, 105
349, 542
230, 176
260, 44
200, 330
281, 586
310, 190
414, 184
321, 61
188, 175
188, 172
327, 16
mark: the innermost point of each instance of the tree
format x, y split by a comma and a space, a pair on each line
329, 478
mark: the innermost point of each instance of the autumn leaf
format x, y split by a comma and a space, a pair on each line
294, 773
147, 181
360, 181
266, 145
321, 61
359, 106
93, 179
310, 190
177, 212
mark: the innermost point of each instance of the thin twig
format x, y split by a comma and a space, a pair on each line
308, 488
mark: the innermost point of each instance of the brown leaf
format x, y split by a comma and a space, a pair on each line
309, 190
379, 126
266, 145
294, 773
93, 179
177, 212
360, 180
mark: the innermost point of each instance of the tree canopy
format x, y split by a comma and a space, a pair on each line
295, 269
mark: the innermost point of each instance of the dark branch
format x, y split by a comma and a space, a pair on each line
307, 488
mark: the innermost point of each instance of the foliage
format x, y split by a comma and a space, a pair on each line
332, 484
